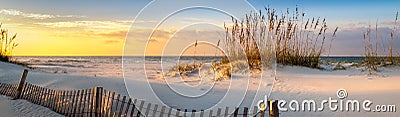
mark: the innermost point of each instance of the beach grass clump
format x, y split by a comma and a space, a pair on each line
392, 58
222, 71
290, 37
184, 69
392, 33
371, 48
375, 55
7, 44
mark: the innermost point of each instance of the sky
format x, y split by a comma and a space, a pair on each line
105, 28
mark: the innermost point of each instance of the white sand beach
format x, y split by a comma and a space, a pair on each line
294, 83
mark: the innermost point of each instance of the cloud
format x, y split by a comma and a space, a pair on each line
14, 12
192, 20
355, 26
111, 41
106, 29
144, 35
144, 21
162, 34
114, 34
88, 24
351, 42
390, 23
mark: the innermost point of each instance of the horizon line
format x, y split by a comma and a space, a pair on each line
156, 56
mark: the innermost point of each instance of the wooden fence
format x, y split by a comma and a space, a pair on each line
98, 102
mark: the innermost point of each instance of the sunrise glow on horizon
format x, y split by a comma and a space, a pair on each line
99, 28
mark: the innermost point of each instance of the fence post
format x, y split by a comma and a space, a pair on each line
273, 111
245, 111
21, 84
236, 112
99, 93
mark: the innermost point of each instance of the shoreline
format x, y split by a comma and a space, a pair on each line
294, 83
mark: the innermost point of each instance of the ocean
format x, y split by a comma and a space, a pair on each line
111, 66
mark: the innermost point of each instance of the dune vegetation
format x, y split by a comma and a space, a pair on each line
375, 53
7, 44
262, 39
290, 37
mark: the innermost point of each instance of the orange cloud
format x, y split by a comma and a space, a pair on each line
116, 34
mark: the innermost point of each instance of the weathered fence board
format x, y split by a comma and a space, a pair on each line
99, 102
122, 106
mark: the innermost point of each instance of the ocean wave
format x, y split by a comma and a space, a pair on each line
68, 60
47, 65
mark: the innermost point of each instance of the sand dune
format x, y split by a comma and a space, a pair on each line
294, 83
